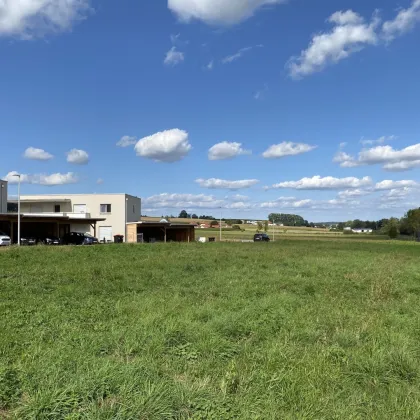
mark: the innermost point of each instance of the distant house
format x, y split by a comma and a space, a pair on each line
362, 230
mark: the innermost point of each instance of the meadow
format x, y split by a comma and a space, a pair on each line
318, 328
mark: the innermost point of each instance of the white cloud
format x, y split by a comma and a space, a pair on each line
99, 181
236, 56
226, 150
287, 203
404, 22
77, 157
165, 146
214, 183
397, 194
217, 11
238, 197
287, 149
173, 57
210, 66
390, 185
353, 193
349, 35
390, 158
380, 140
28, 19
127, 141
37, 154
342, 144
327, 183
43, 179
182, 201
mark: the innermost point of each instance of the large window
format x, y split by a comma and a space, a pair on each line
105, 208
57, 208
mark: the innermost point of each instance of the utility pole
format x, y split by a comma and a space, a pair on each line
18, 176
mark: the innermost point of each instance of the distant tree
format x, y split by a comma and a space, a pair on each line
286, 219
214, 223
358, 224
341, 226
392, 228
259, 226
194, 216
266, 226
413, 220
183, 215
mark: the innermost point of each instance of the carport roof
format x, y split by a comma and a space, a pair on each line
161, 224
11, 217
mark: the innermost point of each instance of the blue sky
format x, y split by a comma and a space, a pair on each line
250, 106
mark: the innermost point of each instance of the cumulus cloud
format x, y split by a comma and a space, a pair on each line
217, 11
350, 34
42, 179
214, 183
28, 19
210, 66
165, 146
390, 185
404, 22
127, 141
37, 154
226, 150
391, 159
287, 149
327, 183
173, 57
236, 56
77, 157
287, 203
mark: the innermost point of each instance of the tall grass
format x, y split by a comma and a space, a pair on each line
293, 329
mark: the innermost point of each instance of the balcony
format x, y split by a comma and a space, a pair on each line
61, 214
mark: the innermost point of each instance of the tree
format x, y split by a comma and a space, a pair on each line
413, 220
392, 228
341, 226
266, 226
259, 226
286, 219
214, 223
194, 216
183, 215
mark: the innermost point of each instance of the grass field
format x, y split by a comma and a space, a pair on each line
296, 329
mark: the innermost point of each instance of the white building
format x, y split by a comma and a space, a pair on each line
3, 196
362, 230
116, 209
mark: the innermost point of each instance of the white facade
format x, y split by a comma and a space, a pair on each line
116, 209
3, 196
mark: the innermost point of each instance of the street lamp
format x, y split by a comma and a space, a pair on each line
220, 224
18, 176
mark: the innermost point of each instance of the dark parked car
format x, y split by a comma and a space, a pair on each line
49, 240
29, 241
76, 238
261, 237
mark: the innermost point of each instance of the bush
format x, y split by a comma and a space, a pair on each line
236, 227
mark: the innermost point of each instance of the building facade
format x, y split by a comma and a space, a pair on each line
116, 209
3, 196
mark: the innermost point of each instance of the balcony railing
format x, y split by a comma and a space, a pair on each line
70, 215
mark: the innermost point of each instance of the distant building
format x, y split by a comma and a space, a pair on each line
362, 230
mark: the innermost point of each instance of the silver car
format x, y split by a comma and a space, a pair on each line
4, 239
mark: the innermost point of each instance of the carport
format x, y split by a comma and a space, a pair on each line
160, 232
38, 226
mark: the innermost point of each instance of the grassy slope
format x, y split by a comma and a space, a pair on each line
293, 329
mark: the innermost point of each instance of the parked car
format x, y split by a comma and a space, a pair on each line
261, 237
29, 241
77, 238
4, 239
49, 240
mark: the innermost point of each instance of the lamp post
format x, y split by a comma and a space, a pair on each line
18, 176
220, 225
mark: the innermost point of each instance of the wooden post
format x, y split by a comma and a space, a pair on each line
165, 234
12, 235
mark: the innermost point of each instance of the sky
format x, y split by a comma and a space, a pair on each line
239, 107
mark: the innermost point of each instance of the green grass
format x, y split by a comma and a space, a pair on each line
296, 329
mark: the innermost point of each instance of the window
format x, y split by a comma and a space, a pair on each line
57, 208
105, 208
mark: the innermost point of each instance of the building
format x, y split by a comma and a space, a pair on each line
102, 215
362, 230
162, 231
3, 196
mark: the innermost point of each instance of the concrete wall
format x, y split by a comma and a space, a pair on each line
122, 205
3, 196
